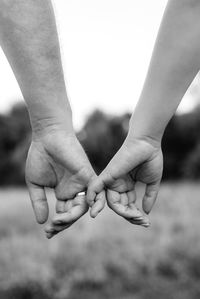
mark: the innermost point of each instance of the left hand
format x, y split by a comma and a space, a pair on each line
57, 160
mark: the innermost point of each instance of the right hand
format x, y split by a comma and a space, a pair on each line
138, 160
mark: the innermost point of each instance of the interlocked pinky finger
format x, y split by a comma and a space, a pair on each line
99, 204
95, 187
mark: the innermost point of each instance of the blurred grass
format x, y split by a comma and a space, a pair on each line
106, 257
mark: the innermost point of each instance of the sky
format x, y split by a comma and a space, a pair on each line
106, 47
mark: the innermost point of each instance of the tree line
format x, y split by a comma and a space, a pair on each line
101, 137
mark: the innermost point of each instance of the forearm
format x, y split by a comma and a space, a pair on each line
29, 39
174, 64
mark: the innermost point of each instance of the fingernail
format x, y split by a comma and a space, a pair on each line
146, 224
94, 215
49, 235
138, 218
49, 230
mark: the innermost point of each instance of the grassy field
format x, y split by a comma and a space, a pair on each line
103, 258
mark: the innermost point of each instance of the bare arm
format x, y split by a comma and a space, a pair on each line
174, 64
56, 159
29, 39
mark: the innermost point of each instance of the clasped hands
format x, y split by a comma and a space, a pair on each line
57, 160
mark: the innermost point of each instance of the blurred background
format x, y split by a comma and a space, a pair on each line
106, 47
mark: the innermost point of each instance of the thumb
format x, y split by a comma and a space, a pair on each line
126, 159
39, 202
99, 204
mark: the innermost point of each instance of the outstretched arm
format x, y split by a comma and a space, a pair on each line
174, 64
29, 39
56, 159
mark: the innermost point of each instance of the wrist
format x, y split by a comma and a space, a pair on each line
48, 112
51, 124
142, 138
144, 131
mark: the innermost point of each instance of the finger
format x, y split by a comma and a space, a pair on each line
64, 204
69, 204
121, 164
60, 206
98, 205
71, 215
52, 230
128, 211
124, 161
144, 222
150, 196
124, 199
68, 190
39, 202
94, 188
122, 185
131, 196
68, 217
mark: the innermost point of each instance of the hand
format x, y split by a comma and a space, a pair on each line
57, 160
138, 160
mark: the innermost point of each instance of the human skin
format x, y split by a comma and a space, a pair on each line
174, 64
56, 159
